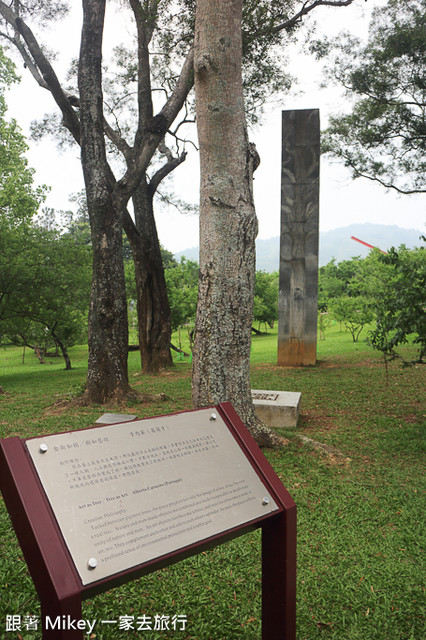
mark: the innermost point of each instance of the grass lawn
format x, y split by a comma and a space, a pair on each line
360, 504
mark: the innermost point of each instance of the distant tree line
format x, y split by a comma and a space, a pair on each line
44, 274
386, 291
182, 289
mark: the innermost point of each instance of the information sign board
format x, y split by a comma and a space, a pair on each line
128, 493
95, 508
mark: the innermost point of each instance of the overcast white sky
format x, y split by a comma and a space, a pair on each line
342, 201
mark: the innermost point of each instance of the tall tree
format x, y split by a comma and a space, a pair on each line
44, 288
266, 288
38, 295
108, 333
228, 223
19, 198
395, 284
107, 197
383, 138
19, 201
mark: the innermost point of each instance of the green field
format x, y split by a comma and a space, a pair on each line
360, 502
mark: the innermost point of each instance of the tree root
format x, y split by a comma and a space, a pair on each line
265, 436
332, 452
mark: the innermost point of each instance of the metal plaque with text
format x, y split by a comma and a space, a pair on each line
129, 493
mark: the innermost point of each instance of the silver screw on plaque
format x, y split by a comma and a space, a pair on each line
43, 448
265, 500
92, 563
213, 416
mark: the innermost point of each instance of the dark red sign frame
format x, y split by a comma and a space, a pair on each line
55, 577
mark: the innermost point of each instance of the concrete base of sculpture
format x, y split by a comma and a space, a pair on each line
277, 408
296, 352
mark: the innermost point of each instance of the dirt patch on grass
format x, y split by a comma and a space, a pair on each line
318, 420
333, 362
62, 405
327, 364
176, 373
413, 418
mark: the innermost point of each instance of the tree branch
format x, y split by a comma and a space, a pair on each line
164, 171
307, 8
359, 174
117, 140
163, 121
145, 27
183, 140
28, 61
129, 227
181, 123
183, 86
41, 68
97, 171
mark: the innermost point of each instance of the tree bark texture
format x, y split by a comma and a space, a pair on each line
107, 376
228, 223
153, 309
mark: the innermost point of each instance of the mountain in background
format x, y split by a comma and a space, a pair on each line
336, 244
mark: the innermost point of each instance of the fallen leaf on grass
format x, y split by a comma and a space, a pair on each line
324, 624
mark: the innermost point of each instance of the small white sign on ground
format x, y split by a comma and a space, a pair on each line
277, 408
113, 418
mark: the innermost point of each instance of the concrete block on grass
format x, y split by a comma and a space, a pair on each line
277, 408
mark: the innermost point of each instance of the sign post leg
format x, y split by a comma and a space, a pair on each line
279, 577
48, 560
59, 619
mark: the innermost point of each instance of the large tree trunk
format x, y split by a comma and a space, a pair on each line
228, 223
107, 376
153, 307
